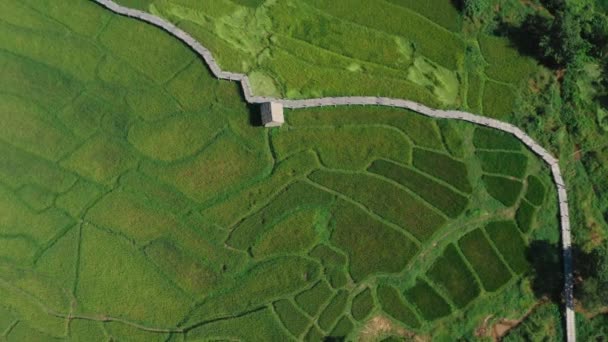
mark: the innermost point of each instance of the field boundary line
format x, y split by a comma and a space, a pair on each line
553, 163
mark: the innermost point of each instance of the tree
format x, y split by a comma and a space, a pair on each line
595, 31
605, 74
554, 6
592, 272
474, 9
563, 44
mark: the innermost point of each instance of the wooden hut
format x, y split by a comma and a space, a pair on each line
272, 114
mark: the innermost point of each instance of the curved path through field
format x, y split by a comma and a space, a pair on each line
390, 102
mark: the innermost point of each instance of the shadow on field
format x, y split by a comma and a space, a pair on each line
526, 38
548, 275
603, 101
547, 272
459, 4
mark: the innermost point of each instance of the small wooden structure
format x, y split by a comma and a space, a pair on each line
272, 114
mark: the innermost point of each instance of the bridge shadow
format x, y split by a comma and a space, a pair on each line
547, 273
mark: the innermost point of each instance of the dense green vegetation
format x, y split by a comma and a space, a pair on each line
485, 261
393, 304
430, 304
451, 273
136, 193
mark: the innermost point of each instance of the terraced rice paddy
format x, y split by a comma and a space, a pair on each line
138, 201
395, 48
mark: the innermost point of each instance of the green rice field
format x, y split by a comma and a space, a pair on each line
139, 202
399, 48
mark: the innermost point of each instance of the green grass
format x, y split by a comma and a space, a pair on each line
326, 81
101, 159
504, 163
525, 216
21, 300
85, 330
190, 274
372, 247
83, 115
176, 137
294, 234
505, 190
451, 273
336, 148
343, 328
506, 63
313, 299
155, 193
492, 272
37, 198
334, 264
509, 243
492, 139
194, 218
498, 100
48, 87
536, 190
443, 167
344, 54
250, 3
362, 304
430, 304
128, 214
17, 219
229, 210
57, 261
313, 334
22, 16
263, 282
195, 90
20, 168
333, 310
291, 317
50, 48
152, 103
124, 331
27, 127
475, 92
451, 203
442, 12
389, 202
311, 35
249, 229
23, 331
392, 303
103, 286
134, 43
224, 165
452, 138
19, 250
421, 130
259, 325
431, 41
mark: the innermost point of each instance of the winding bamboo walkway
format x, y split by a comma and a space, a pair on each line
390, 102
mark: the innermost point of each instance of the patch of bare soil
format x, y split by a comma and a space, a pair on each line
502, 327
577, 154
380, 325
579, 308
483, 328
